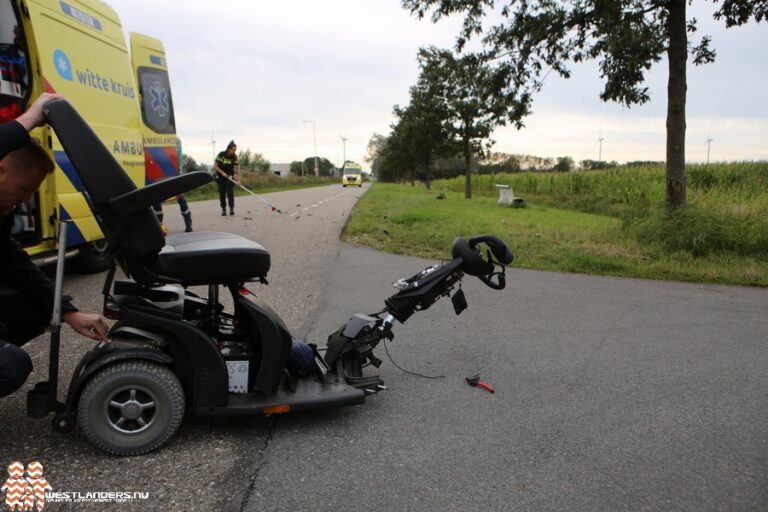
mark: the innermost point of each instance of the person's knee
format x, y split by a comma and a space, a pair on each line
15, 367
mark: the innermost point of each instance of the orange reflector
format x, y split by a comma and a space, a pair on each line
277, 409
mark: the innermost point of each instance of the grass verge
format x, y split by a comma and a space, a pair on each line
411, 220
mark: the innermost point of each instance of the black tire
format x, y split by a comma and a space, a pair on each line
92, 258
137, 427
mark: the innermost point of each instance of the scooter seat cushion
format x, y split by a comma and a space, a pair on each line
211, 257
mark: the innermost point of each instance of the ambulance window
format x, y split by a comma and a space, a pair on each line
156, 102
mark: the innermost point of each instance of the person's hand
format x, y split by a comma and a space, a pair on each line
88, 324
238, 182
33, 117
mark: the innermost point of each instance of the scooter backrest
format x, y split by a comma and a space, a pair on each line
138, 236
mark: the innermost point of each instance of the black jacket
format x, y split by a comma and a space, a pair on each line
16, 268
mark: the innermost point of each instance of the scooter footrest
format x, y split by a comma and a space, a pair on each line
370, 382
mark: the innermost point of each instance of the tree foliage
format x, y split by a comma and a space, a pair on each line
188, 164
306, 167
250, 161
474, 98
626, 37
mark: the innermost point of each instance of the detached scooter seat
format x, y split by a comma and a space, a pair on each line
125, 216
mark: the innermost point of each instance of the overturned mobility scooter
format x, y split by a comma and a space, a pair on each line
173, 352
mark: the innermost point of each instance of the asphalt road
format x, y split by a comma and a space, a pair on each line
611, 394
209, 464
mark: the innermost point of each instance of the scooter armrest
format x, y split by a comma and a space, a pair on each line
139, 199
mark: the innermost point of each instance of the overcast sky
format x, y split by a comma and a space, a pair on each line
252, 71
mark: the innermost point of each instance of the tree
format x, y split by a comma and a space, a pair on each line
188, 164
307, 166
250, 161
564, 164
628, 36
422, 124
474, 100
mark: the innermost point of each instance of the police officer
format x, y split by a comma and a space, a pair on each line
227, 168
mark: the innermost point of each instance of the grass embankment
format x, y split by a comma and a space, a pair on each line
610, 223
262, 183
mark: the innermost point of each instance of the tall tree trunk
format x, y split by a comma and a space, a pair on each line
426, 171
467, 159
413, 175
676, 91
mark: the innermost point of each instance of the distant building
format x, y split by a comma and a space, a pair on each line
282, 170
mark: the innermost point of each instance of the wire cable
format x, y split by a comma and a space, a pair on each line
409, 372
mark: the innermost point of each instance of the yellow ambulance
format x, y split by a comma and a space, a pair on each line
77, 48
351, 174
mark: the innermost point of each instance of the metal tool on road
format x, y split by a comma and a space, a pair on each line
257, 196
475, 381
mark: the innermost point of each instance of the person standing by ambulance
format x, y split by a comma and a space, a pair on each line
227, 168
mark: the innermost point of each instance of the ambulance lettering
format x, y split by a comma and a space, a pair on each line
90, 78
127, 147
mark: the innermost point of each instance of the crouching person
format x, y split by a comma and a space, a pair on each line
26, 298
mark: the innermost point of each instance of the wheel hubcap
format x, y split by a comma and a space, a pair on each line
130, 410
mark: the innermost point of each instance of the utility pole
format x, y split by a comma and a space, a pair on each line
709, 144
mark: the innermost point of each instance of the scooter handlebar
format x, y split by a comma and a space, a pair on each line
484, 267
498, 247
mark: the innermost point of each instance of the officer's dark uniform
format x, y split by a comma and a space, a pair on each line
226, 187
26, 293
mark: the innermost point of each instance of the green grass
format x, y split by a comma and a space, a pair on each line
410, 220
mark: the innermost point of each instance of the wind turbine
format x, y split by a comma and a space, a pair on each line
213, 148
708, 142
600, 151
344, 151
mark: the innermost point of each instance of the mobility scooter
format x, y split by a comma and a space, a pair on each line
173, 352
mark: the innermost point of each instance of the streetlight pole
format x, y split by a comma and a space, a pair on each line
314, 131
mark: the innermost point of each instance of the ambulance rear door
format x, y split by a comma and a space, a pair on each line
158, 124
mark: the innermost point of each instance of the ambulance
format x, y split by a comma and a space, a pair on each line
77, 48
351, 174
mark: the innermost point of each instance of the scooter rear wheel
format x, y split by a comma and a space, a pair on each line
131, 407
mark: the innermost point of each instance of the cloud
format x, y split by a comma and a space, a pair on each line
252, 71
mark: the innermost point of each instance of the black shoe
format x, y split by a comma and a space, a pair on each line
223, 213
188, 230
231, 211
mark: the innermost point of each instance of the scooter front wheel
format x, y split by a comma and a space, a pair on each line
131, 407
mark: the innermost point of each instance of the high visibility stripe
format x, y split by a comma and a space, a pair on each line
160, 162
63, 161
